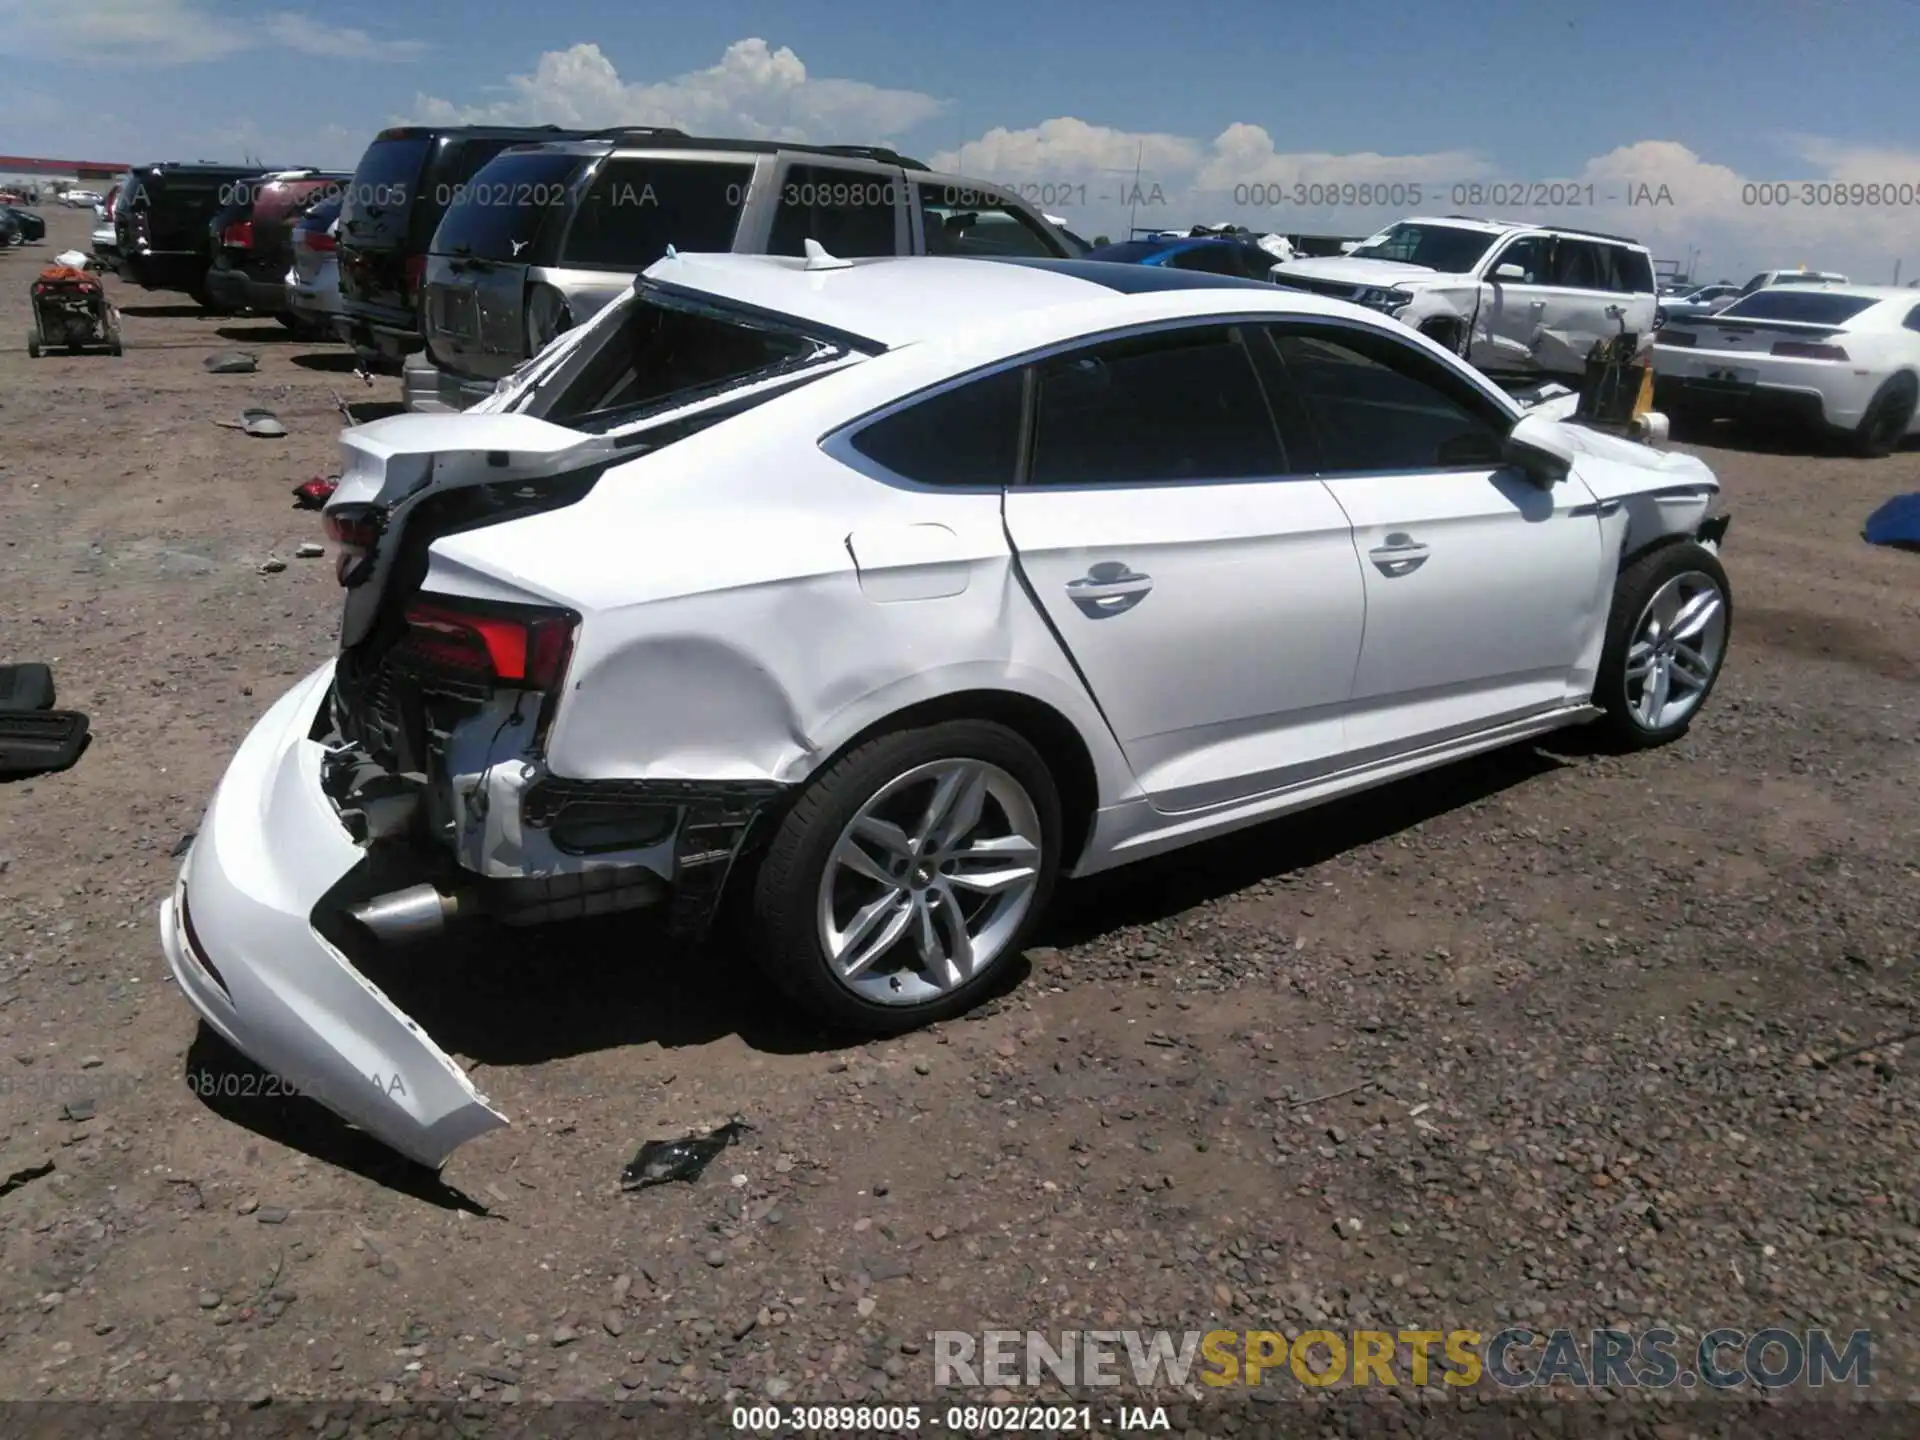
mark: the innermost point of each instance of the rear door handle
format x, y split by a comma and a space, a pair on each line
1098, 592
1401, 555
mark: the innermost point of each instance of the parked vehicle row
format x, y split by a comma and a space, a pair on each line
252, 241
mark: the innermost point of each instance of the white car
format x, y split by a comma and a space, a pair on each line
1699, 300
1842, 358
80, 199
1519, 300
859, 601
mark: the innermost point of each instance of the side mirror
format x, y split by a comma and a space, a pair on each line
1509, 272
1539, 446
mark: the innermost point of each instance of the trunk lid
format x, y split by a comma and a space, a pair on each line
1734, 335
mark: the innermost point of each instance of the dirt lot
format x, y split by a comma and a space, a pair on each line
1539, 1040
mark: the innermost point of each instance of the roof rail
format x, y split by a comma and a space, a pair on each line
613, 130
869, 152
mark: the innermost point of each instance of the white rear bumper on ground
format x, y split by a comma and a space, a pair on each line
270, 848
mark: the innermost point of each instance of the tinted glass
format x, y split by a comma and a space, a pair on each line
1210, 259
1820, 307
1579, 265
499, 213
1376, 405
1183, 406
1127, 252
636, 208
662, 357
963, 222
1912, 322
382, 190
969, 435
1445, 248
1532, 254
1633, 269
849, 212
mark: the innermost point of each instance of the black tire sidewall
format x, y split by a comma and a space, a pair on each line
1632, 592
780, 922
1865, 438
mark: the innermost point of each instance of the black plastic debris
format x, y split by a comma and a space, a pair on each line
26, 687
1895, 523
35, 738
232, 362
662, 1160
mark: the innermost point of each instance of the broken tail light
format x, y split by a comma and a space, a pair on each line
354, 530
524, 647
1806, 350
239, 235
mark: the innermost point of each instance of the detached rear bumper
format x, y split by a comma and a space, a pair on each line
238, 933
427, 388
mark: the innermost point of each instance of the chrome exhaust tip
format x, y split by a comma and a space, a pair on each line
419, 912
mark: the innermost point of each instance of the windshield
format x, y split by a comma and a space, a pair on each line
501, 211
1818, 307
1446, 248
668, 351
381, 194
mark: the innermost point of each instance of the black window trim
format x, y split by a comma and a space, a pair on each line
1912, 320
1499, 416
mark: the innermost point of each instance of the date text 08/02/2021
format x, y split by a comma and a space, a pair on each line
961, 1419
253, 1084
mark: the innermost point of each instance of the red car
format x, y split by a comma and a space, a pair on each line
254, 238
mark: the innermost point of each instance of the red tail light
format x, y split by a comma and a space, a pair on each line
354, 533
523, 646
1805, 350
239, 234
320, 240
416, 272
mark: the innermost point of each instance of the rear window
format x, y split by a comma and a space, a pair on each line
636, 208
665, 355
383, 187
503, 210
1816, 307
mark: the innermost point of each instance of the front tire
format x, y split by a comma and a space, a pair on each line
907, 876
1666, 641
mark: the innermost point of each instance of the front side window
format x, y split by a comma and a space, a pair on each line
1184, 405
961, 221
1375, 404
635, 209
848, 212
969, 435
1533, 254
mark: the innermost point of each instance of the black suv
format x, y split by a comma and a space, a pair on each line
160, 222
403, 184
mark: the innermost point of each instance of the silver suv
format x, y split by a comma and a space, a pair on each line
547, 233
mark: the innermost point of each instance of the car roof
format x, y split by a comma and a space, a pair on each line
645, 138
901, 300
1507, 227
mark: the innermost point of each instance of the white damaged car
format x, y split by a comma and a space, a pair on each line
860, 601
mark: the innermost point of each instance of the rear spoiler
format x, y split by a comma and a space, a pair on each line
1812, 329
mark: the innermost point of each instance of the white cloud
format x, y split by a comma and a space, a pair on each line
755, 91
175, 32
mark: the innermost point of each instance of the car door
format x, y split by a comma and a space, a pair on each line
1513, 306
1584, 305
1484, 591
1208, 595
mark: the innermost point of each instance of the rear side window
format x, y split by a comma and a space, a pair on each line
1185, 405
1632, 271
1377, 405
969, 435
635, 209
849, 212
1818, 307
1579, 264
960, 221
1912, 322
502, 211
1533, 254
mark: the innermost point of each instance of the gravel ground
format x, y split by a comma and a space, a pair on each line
1553, 1038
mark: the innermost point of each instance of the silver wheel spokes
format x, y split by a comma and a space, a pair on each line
1676, 650
929, 881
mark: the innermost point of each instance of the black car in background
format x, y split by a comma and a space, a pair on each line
160, 222
23, 224
402, 186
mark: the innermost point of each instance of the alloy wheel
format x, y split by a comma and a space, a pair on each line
1676, 650
929, 881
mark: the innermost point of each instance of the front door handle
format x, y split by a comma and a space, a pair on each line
1400, 555
1108, 589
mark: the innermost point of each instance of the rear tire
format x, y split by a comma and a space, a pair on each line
1666, 641
822, 906
33, 344
1885, 424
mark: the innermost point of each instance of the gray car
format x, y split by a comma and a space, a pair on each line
547, 233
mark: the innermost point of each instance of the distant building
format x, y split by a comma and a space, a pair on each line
37, 167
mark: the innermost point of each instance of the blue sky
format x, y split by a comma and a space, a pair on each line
1705, 98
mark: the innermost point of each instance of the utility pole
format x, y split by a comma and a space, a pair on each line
1134, 198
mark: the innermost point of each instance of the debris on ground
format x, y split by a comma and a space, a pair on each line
313, 494
660, 1161
256, 422
1895, 523
40, 742
232, 362
272, 565
26, 687
309, 550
